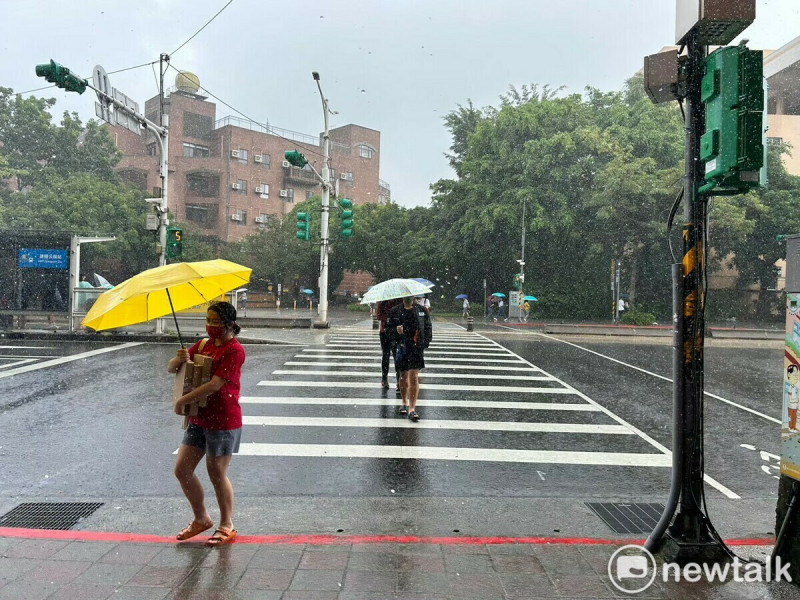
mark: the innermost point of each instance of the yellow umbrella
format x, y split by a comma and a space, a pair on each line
158, 292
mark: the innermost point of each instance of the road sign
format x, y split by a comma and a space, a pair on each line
102, 108
42, 258
123, 119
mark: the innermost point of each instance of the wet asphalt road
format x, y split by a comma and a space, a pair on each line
526, 416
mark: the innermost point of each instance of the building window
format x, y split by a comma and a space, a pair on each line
309, 194
264, 190
136, 177
239, 216
202, 184
265, 161
774, 140
262, 220
290, 194
152, 149
193, 150
198, 214
197, 126
365, 151
347, 176
243, 156
242, 186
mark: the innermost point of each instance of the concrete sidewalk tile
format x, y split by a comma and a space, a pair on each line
486, 586
154, 576
420, 548
419, 582
328, 547
91, 551
420, 562
19, 590
12, 568
376, 547
180, 556
229, 557
369, 581
36, 548
131, 554
324, 560
55, 572
390, 596
468, 563
256, 578
84, 592
528, 586
265, 558
203, 578
7, 543
107, 574
598, 556
562, 560
495, 549
517, 563
309, 595
330, 580
222, 594
372, 561
465, 549
141, 593
581, 586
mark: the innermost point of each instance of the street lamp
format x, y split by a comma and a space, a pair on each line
326, 191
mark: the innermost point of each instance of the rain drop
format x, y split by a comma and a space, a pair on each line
363, 91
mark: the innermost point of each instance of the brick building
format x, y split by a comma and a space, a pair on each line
228, 177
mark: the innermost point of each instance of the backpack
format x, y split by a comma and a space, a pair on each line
425, 333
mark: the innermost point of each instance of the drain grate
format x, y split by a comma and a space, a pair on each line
624, 517
48, 515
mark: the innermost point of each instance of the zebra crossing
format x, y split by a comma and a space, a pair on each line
481, 405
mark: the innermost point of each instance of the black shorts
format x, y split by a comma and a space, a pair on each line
409, 358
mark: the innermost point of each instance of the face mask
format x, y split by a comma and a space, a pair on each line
215, 331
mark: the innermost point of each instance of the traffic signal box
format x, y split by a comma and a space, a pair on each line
295, 158
304, 226
732, 146
61, 76
346, 215
174, 242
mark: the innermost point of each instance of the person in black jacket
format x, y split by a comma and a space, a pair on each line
414, 332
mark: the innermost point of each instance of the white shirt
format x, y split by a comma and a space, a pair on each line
621, 304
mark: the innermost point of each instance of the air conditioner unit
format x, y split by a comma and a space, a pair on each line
261, 219
286, 164
343, 176
262, 189
258, 158
236, 217
236, 186
234, 154
284, 193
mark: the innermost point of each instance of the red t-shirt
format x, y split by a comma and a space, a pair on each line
222, 410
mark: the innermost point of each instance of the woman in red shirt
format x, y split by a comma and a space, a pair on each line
216, 431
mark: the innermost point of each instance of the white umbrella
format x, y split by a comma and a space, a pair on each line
394, 288
102, 282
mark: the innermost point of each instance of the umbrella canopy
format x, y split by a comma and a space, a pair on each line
394, 288
309, 292
147, 295
461, 297
531, 298
424, 281
102, 282
499, 295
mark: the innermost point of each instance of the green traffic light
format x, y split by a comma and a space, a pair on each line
347, 233
304, 226
296, 159
346, 203
61, 76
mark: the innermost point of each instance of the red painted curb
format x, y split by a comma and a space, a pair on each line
332, 540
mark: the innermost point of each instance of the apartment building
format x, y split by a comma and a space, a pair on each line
228, 176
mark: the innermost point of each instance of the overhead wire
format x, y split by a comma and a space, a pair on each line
203, 27
47, 87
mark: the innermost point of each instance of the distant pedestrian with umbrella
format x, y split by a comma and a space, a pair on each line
388, 339
413, 324
464, 305
216, 431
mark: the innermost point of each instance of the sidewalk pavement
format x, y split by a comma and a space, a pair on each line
329, 567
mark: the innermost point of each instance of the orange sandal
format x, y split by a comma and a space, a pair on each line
221, 536
192, 530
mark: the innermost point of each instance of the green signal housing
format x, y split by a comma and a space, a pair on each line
174, 242
295, 158
61, 76
732, 146
346, 216
304, 226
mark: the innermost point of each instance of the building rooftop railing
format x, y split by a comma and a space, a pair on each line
296, 136
384, 184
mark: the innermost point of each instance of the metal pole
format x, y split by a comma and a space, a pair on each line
690, 537
326, 191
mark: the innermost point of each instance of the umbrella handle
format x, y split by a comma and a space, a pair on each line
174, 316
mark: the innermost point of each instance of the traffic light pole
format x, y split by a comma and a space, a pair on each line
325, 217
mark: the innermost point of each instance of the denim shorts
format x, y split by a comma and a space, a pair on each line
216, 442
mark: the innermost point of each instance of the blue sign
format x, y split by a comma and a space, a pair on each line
39, 258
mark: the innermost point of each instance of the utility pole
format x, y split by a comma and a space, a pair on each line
522, 264
326, 195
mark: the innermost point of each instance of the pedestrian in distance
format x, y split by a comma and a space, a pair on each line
501, 310
465, 309
413, 326
216, 431
388, 339
424, 301
244, 303
621, 307
490, 308
526, 311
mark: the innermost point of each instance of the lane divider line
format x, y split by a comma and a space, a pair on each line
65, 359
520, 405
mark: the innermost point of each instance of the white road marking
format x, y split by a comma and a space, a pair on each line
344, 350
619, 459
3, 347
292, 400
425, 375
377, 357
65, 359
372, 364
427, 386
585, 428
18, 362
431, 348
10, 356
720, 398
714, 483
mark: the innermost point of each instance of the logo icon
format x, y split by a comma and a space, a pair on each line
632, 569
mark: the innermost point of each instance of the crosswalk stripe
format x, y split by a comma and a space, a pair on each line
427, 352
620, 459
432, 346
426, 375
372, 364
375, 356
585, 428
3, 347
427, 386
15, 363
292, 400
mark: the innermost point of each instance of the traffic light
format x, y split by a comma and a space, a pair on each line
174, 242
346, 215
295, 158
304, 226
61, 76
732, 146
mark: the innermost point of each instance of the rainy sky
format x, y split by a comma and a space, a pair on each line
396, 66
